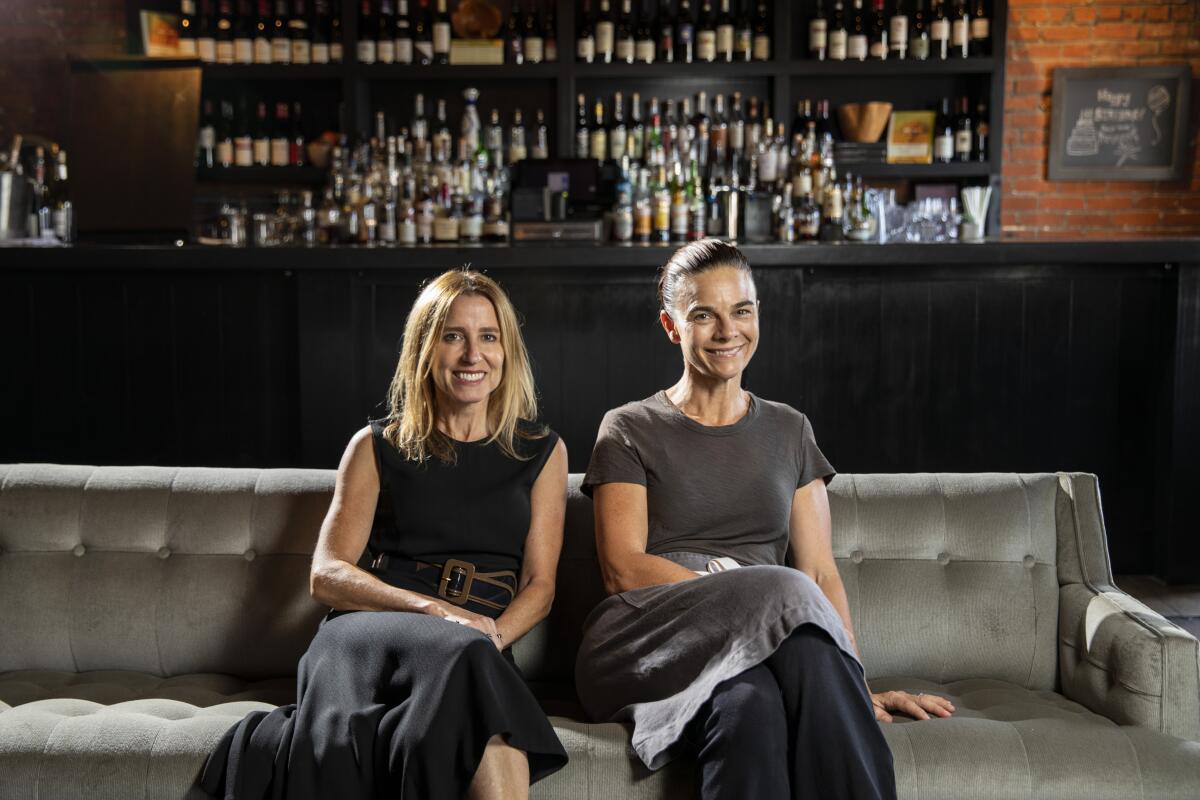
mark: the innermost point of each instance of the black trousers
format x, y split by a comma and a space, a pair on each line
798, 725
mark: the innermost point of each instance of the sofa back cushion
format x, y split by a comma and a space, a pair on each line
171, 571
949, 576
159, 570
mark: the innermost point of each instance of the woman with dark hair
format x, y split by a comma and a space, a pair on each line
438, 552
752, 668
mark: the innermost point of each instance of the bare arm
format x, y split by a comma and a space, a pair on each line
543, 544
621, 533
810, 531
335, 579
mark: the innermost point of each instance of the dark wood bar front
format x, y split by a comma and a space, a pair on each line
993, 357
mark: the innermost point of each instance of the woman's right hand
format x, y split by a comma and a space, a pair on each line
485, 625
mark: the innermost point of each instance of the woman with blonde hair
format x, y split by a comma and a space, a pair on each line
438, 552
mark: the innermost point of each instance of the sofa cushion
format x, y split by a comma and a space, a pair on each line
1006, 741
119, 686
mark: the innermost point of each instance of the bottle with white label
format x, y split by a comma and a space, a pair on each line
939, 31
281, 44
960, 31
206, 41
943, 134
898, 31
243, 34
262, 33
964, 131
385, 44
838, 34
367, 33
880, 29
300, 36
706, 34
762, 34
321, 50
918, 37
225, 42
402, 35
535, 42
441, 35
856, 41
725, 37
606, 34
280, 144
981, 30
585, 40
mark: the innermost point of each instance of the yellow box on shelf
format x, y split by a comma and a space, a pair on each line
477, 52
910, 137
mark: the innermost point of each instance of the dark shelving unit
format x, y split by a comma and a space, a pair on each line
782, 81
261, 176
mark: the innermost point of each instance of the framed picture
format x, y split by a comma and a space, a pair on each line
1120, 124
910, 137
160, 34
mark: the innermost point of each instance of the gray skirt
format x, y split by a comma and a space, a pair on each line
652, 656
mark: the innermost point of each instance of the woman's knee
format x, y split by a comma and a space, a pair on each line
746, 702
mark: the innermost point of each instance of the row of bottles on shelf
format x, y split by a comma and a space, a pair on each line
929, 31
262, 31
47, 212
667, 33
231, 136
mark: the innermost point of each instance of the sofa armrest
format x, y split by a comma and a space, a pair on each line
1123, 660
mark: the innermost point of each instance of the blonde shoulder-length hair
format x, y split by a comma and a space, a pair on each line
412, 398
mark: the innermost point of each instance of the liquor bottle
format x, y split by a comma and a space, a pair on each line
225, 135
262, 137
725, 33
62, 212
550, 35
761, 45
838, 35
368, 33
517, 149
661, 199
626, 43
785, 219
819, 33
679, 203
898, 31
583, 135
879, 32
441, 34
206, 139
534, 41
808, 213
585, 39
706, 33
832, 213
206, 41
262, 33
243, 34
606, 34
280, 145
737, 126
685, 33
743, 36
960, 30
281, 43
856, 41
385, 42
617, 131
767, 155
541, 137
225, 46
622, 228
598, 144
697, 205
718, 128
939, 31
643, 208
981, 131
637, 130
470, 129
423, 35
439, 140
943, 134
335, 32
402, 34
187, 29
322, 33
298, 28
664, 23
964, 132
243, 142
644, 41
981, 30
918, 39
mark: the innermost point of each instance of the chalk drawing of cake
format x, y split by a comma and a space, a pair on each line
1083, 140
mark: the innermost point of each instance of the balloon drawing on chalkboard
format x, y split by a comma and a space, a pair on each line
1158, 100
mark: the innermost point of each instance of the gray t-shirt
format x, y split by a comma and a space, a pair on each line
723, 490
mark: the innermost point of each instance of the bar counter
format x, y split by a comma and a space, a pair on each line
998, 356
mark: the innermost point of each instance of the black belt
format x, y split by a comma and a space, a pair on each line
455, 581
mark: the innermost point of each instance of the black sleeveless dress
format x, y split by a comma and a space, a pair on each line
398, 704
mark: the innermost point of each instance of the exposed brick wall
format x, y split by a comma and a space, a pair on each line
1046, 34
35, 36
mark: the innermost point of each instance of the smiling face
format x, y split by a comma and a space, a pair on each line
468, 361
715, 322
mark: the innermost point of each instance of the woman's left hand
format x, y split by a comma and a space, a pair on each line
918, 706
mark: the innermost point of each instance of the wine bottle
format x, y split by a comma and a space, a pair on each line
243, 34
898, 31
206, 41
918, 39
685, 33
225, 135
585, 39
981, 131
943, 134
743, 37
725, 33
960, 30
402, 34
939, 31
335, 31
534, 41
550, 34
582, 128
322, 33
262, 33
368, 33
856, 41
964, 132
280, 146
598, 144
187, 29
644, 42
423, 35
626, 43
706, 33
385, 41
981, 31
281, 43
838, 35
606, 34
441, 34
818, 34
224, 37
665, 32
878, 45
761, 46
301, 41
206, 139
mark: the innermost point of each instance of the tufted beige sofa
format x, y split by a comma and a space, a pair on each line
144, 610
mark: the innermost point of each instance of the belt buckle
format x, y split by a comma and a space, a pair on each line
455, 584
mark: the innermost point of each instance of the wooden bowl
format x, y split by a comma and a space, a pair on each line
864, 122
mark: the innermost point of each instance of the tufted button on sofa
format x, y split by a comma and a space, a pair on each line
145, 610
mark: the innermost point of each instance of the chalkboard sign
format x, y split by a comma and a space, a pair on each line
1120, 124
